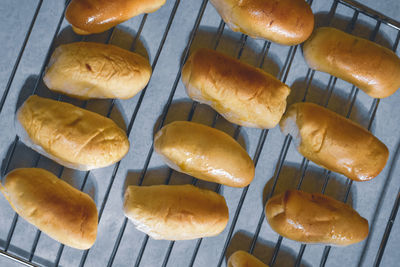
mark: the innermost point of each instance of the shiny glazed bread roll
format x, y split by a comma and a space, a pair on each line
334, 142
369, 66
95, 16
243, 259
176, 212
243, 94
286, 22
91, 70
205, 153
55, 207
72, 136
315, 218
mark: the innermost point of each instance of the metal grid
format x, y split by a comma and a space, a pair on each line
357, 9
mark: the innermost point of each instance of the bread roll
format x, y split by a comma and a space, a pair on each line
243, 94
315, 218
176, 212
72, 136
286, 22
334, 142
95, 16
91, 70
205, 153
55, 207
369, 66
243, 259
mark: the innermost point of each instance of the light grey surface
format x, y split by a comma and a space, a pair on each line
366, 197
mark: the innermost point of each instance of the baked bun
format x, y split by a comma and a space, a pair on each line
71, 136
315, 218
95, 16
287, 22
176, 212
334, 142
91, 70
205, 153
243, 94
243, 259
372, 68
55, 207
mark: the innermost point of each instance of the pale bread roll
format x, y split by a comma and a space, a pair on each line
243, 259
315, 218
87, 70
61, 211
334, 142
71, 136
241, 93
176, 212
205, 153
95, 16
372, 68
286, 22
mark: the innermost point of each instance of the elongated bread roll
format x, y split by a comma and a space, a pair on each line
176, 212
205, 153
334, 142
243, 259
315, 218
55, 207
91, 70
286, 22
243, 94
72, 136
95, 16
369, 66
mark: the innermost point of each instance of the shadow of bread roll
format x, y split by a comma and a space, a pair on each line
287, 22
243, 259
61, 211
241, 93
73, 137
315, 218
334, 142
87, 70
95, 16
205, 153
176, 212
371, 67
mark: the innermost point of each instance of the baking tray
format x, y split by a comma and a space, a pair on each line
167, 37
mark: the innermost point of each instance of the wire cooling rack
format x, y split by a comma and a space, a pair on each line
167, 37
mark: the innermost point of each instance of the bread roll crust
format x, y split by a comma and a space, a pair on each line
286, 22
95, 16
55, 207
205, 153
241, 93
372, 68
87, 70
334, 142
315, 218
176, 212
72, 136
243, 259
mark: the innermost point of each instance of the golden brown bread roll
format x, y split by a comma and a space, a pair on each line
91, 70
315, 218
72, 136
243, 259
55, 207
369, 66
95, 16
286, 22
243, 94
176, 212
334, 142
205, 153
